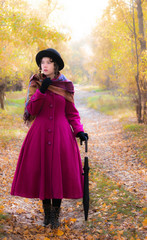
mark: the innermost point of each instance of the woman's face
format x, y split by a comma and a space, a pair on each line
47, 67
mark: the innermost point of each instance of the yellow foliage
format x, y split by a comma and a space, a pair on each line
22, 33
114, 61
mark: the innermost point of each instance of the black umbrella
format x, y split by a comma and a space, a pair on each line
86, 184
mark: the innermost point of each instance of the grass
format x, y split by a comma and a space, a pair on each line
3, 219
135, 128
112, 105
118, 213
93, 88
15, 106
11, 118
16, 102
16, 94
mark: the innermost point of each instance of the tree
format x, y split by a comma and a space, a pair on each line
141, 83
143, 80
119, 60
22, 34
76, 61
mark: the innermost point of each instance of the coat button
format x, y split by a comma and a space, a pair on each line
51, 117
49, 143
51, 105
49, 130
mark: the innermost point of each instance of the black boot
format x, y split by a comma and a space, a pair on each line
47, 211
55, 213
55, 217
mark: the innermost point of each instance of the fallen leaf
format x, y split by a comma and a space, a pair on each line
119, 216
144, 223
73, 219
66, 227
89, 237
111, 227
59, 232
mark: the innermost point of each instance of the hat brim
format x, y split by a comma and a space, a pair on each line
52, 55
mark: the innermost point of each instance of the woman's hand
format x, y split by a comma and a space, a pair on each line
46, 82
83, 136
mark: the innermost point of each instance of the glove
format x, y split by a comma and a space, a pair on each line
46, 82
83, 136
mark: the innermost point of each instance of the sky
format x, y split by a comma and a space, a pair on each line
76, 17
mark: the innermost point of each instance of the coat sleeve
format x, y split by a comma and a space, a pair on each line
36, 101
73, 117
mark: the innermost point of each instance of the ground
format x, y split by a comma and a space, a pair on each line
111, 148
113, 162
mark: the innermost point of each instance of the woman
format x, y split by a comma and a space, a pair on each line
49, 165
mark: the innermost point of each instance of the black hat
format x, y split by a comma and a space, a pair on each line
51, 53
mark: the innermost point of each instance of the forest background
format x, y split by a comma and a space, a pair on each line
109, 69
113, 57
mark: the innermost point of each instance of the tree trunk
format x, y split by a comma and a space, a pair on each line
143, 48
107, 83
2, 94
138, 101
2, 99
141, 25
145, 103
145, 112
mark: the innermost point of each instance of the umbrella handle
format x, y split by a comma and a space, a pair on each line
86, 145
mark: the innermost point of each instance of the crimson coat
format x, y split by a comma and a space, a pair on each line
49, 164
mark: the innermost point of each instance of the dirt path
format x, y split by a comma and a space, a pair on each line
110, 148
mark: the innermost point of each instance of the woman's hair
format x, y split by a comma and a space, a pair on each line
56, 69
